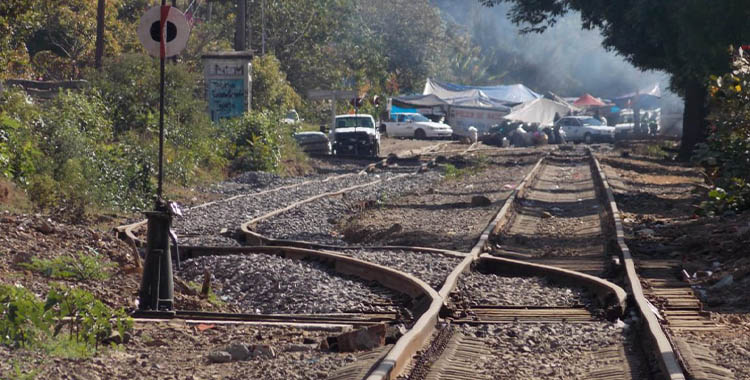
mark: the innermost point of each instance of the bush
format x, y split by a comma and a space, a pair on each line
726, 154
256, 139
25, 321
82, 267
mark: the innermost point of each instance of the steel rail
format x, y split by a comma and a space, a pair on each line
659, 342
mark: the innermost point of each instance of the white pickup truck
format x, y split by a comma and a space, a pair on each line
414, 125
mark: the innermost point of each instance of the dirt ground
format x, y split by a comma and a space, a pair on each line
658, 198
653, 193
444, 216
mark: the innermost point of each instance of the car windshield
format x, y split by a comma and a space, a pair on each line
292, 115
351, 122
591, 121
418, 117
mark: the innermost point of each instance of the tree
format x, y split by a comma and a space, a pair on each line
686, 39
17, 21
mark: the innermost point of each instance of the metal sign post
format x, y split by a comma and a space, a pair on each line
164, 27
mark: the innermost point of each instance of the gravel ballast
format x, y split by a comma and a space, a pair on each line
544, 350
203, 225
429, 267
476, 288
318, 221
267, 284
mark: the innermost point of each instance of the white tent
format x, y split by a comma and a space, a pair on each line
479, 96
540, 111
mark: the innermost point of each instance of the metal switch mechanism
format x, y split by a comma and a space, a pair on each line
157, 285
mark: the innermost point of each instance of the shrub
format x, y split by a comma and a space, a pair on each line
726, 154
82, 266
28, 322
256, 139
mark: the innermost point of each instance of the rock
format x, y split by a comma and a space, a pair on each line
480, 201
546, 215
262, 351
238, 351
724, 282
299, 348
645, 232
395, 228
116, 338
45, 227
362, 339
307, 340
220, 357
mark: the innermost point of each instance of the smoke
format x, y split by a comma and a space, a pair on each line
564, 59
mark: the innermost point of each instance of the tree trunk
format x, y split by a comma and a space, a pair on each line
694, 118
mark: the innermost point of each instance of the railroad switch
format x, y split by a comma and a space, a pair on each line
157, 285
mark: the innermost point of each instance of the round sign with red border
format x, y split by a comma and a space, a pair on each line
176, 28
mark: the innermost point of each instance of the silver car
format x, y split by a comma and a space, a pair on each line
585, 129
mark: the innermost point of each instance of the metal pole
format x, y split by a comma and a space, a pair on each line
99, 34
161, 123
263, 27
241, 32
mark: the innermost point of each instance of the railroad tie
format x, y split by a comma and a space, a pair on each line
359, 368
458, 361
699, 361
611, 364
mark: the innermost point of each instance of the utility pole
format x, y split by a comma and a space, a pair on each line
99, 34
240, 42
263, 27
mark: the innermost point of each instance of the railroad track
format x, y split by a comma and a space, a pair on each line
564, 199
564, 185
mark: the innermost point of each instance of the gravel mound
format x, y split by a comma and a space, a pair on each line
267, 284
475, 288
431, 268
203, 225
318, 221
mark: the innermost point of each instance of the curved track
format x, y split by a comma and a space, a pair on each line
558, 232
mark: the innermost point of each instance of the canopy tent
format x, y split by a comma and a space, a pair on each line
432, 100
648, 98
480, 96
540, 111
588, 101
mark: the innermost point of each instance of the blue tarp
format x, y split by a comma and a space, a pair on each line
397, 109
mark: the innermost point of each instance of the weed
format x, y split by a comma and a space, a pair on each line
19, 374
82, 266
212, 298
69, 323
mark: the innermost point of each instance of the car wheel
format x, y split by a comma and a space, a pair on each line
419, 134
587, 138
376, 150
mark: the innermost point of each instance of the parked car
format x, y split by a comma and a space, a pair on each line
355, 135
625, 125
313, 142
415, 125
291, 118
585, 129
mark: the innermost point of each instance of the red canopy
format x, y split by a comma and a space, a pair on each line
588, 101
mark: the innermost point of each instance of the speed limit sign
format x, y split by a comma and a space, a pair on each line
175, 34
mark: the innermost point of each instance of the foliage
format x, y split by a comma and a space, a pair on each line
726, 153
17, 21
28, 322
684, 39
271, 91
82, 266
255, 141
130, 88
